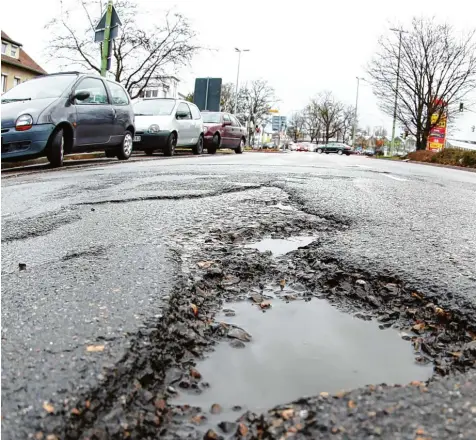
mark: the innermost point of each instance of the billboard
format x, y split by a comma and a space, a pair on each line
207, 94
437, 137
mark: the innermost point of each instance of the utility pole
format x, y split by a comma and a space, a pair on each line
354, 127
400, 32
106, 44
238, 76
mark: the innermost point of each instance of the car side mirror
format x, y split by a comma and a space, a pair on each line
226, 123
181, 114
81, 95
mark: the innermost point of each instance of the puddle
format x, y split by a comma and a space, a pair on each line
281, 246
300, 349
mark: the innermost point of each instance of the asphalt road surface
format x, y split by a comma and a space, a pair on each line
99, 249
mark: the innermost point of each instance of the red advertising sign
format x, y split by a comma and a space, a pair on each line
437, 136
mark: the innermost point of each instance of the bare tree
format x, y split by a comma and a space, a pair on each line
312, 120
254, 103
296, 125
141, 56
227, 100
437, 71
347, 122
330, 115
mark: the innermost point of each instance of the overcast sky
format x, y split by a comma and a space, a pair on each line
301, 47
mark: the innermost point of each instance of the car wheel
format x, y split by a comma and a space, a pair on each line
149, 151
339, 152
241, 147
171, 144
319, 150
125, 150
198, 149
216, 141
55, 149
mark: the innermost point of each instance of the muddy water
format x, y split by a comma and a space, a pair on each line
298, 349
278, 246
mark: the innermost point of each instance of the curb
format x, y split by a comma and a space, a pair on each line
43, 160
439, 165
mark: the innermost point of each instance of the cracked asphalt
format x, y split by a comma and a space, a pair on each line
102, 247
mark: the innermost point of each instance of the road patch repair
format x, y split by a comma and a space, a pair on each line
259, 318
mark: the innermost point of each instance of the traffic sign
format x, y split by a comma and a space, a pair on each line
99, 34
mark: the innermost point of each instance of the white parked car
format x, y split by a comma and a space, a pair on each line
164, 124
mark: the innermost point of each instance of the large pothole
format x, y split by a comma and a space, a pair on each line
299, 348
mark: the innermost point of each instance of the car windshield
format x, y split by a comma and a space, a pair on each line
211, 117
39, 88
154, 107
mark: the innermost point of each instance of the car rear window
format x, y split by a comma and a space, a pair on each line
211, 117
154, 107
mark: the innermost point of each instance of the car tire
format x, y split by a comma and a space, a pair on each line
149, 151
320, 151
110, 154
55, 149
216, 141
198, 148
340, 152
125, 150
241, 147
169, 149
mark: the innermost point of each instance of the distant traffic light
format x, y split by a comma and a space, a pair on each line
461, 107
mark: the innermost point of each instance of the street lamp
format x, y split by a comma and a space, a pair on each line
356, 106
238, 75
400, 32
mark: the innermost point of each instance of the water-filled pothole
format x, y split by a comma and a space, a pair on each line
300, 349
281, 246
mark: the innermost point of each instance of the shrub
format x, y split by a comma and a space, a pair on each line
447, 156
421, 155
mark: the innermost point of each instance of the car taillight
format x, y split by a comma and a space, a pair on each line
23, 123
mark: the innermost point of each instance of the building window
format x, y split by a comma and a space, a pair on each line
16, 81
14, 51
4, 83
4, 48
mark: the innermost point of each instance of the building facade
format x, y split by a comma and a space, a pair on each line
17, 65
167, 87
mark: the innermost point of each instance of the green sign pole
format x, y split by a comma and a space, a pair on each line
106, 42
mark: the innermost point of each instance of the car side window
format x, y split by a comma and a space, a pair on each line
226, 118
235, 121
195, 111
118, 94
185, 109
96, 89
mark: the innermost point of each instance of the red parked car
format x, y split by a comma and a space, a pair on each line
223, 130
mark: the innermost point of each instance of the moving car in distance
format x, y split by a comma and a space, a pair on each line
223, 130
163, 124
63, 113
335, 147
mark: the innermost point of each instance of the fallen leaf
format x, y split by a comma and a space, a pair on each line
39, 435
75, 411
51, 437
195, 373
87, 404
215, 409
371, 414
417, 296
198, 419
160, 404
418, 327
420, 431
341, 394
48, 407
416, 383
351, 404
324, 394
95, 348
287, 413
204, 264
242, 429
282, 283
194, 309
265, 305
456, 354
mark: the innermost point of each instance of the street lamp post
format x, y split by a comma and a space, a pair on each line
400, 32
354, 127
238, 75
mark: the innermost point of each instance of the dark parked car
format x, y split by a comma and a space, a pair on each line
223, 130
65, 113
335, 147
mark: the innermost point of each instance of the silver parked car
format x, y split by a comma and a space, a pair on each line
164, 124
